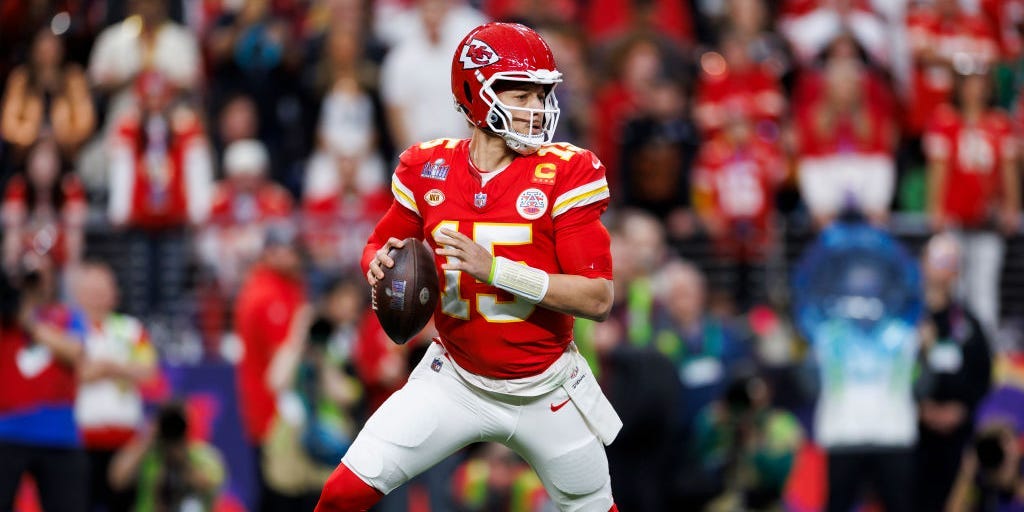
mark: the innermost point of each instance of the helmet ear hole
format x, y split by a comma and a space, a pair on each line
469, 93
492, 118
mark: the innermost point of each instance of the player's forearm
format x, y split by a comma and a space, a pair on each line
579, 296
398, 222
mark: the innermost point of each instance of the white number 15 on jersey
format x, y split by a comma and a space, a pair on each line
487, 234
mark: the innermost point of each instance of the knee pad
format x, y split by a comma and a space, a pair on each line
346, 492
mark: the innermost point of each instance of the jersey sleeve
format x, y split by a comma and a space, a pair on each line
584, 192
582, 244
405, 179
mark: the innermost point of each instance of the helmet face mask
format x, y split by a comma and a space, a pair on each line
503, 52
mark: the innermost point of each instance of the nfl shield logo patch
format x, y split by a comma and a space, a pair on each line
436, 365
480, 200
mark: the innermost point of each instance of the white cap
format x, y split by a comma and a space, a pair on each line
245, 158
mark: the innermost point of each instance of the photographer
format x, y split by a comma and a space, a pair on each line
991, 477
745, 447
312, 428
171, 471
40, 349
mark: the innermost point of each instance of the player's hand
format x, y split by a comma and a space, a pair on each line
466, 255
382, 260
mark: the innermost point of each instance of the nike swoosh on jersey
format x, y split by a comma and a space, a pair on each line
555, 408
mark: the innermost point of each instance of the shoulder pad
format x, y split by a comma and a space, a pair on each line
420, 153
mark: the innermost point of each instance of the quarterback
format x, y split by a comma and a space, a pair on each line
514, 222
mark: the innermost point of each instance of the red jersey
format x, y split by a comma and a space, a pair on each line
335, 226
755, 90
739, 182
946, 37
231, 208
974, 155
866, 131
1005, 16
30, 375
42, 233
160, 171
266, 305
543, 209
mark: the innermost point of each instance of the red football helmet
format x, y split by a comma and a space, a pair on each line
505, 52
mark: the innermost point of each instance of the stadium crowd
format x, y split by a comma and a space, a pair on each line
188, 186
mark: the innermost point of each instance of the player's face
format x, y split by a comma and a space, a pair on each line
522, 96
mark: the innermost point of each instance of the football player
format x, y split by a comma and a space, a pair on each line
514, 221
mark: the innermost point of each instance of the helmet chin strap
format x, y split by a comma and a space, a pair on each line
519, 146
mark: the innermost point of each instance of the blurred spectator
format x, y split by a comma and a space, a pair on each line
1007, 18
734, 185
974, 185
344, 184
160, 184
382, 365
244, 203
118, 359
703, 350
635, 64
40, 348
397, 22
845, 140
43, 212
643, 387
570, 47
495, 479
271, 314
147, 40
955, 353
309, 375
811, 25
171, 470
606, 20
238, 120
47, 97
751, 22
249, 47
856, 295
658, 147
255, 49
942, 33
745, 447
418, 68
731, 79
991, 476
639, 249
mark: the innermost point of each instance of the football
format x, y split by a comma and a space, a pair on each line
404, 300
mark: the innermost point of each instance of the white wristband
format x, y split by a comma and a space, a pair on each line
519, 279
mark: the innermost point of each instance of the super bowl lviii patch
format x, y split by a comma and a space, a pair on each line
436, 170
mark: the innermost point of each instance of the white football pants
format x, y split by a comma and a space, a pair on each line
436, 413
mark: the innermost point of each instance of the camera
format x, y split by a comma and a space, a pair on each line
988, 447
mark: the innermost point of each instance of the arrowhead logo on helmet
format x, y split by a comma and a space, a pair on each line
477, 54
